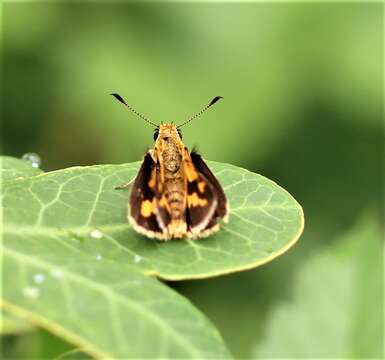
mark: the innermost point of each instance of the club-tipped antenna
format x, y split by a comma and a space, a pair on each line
119, 98
212, 102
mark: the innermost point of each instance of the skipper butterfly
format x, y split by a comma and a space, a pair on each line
174, 195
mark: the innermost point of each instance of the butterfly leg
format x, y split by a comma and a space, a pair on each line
125, 185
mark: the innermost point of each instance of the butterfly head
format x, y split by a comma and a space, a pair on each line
167, 132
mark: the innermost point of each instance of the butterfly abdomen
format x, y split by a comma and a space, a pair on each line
174, 193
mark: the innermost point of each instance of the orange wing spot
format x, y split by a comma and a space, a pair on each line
189, 168
201, 186
163, 201
151, 183
191, 173
194, 200
147, 208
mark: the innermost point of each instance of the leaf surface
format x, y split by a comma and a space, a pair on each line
71, 260
107, 309
56, 213
12, 168
11, 325
73, 355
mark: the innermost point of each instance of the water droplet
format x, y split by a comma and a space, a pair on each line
96, 234
99, 257
32, 158
31, 292
38, 278
57, 273
137, 259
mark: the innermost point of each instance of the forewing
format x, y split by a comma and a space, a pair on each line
222, 207
143, 199
202, 200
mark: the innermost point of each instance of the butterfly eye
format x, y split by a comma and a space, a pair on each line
180, 134
156, 133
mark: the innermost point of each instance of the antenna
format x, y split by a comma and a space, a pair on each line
212, 102
119, 98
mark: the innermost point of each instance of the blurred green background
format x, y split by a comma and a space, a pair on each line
303, 105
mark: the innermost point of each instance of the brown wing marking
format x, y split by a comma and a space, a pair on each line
142, 200
222, 207
201, 199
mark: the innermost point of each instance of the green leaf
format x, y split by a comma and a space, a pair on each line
12, 168
337, 307
75, 354
11, 325
105, 308
67, 292
71, 260
55, 213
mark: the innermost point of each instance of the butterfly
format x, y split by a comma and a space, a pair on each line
175, 194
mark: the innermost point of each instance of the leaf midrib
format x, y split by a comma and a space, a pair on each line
100, 287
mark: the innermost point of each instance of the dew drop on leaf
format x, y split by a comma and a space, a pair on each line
99, 257
31, 292
32, 158
96, 234
38, 278
137, 259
